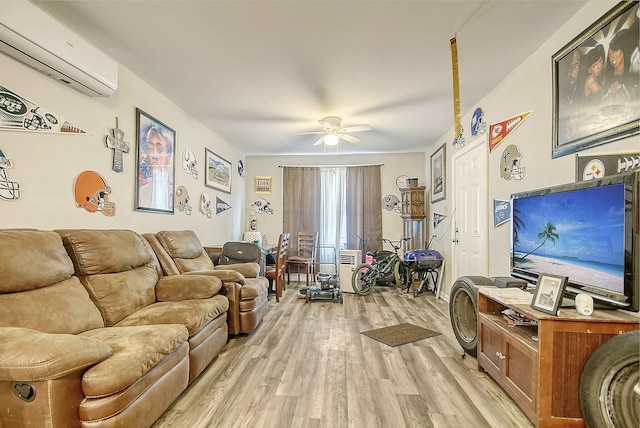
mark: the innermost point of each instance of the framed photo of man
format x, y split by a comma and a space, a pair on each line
156, 164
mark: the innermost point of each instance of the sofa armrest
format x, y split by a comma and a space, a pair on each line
31, 355
247, 270
227, 275
188, 286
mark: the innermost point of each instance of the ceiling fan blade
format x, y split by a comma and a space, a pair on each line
319, 141
357, 128
350, 138
330, 122
309, 133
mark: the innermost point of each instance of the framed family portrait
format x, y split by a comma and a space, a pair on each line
549, 293
262, 185
217, 172
155, 159
438, 174
596, 83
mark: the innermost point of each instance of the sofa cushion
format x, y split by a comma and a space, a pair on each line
136, 350
29, 355
182, 244
193, 314
118, 295
106, 251
61, 308
117, 269
42, 260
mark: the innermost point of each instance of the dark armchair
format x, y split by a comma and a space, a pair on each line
239, 252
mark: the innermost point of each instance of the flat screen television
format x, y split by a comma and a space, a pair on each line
586, 231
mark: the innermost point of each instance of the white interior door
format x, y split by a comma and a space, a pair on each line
469, 234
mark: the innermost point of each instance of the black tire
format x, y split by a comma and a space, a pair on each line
363, 279
463, 310
401, 273
607, 396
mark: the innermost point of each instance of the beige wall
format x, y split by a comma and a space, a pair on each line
410, 164
46, 165
527, 88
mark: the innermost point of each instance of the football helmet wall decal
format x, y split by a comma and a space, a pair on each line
510, 163
189, 163
205, 204
9, 190
92, 194
182, 200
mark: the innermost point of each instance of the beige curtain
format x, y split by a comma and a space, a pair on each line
301, 202
364, 207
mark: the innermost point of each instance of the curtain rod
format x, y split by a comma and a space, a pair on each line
328, 166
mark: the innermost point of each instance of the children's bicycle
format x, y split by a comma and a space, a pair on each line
366, 276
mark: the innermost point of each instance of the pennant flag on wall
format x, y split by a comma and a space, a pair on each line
20, 114
501, 212
499, 131
598, 166
458, 140
437, 219
221, 205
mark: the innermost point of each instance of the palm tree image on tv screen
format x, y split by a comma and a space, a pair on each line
578, 234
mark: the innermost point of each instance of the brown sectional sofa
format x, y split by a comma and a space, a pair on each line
91, 335
181, 253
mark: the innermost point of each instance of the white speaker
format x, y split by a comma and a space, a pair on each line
584, 304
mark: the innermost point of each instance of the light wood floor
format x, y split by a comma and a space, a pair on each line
307, 365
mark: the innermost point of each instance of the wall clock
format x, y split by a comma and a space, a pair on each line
402, 182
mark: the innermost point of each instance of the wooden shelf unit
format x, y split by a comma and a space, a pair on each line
542, 376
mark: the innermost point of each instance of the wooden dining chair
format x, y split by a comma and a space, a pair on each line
276, 272
306, 258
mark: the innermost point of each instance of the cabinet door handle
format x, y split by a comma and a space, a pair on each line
499, 355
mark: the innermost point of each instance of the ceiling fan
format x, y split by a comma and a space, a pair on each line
333, 132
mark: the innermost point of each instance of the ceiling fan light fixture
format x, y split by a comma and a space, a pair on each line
331, 139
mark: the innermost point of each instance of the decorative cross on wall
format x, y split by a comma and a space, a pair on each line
119, 146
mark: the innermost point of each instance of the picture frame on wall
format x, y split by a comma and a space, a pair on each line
217, 172
596, 90
155, 159
438, 174
262, 185
549, 293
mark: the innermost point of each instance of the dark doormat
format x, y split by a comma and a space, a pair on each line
400, 334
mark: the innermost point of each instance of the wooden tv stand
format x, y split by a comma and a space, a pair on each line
540, 366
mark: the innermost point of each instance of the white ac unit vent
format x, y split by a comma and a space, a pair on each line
349, 259
34, 37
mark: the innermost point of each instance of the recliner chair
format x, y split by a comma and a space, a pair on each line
181, 253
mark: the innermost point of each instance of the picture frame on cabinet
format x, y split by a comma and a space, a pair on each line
439, 174
217, 172
155, 160
549, 293
596, 90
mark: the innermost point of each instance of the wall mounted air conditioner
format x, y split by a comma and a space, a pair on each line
34, 37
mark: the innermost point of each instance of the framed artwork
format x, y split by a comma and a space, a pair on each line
596, 83
438, 174
217, 172
549, 293
155, 159
262, 185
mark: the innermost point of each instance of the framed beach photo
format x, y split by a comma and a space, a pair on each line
438, 174
549, 293
155, 159
596, 83
217, 172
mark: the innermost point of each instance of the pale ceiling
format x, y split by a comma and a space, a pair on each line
257, 72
